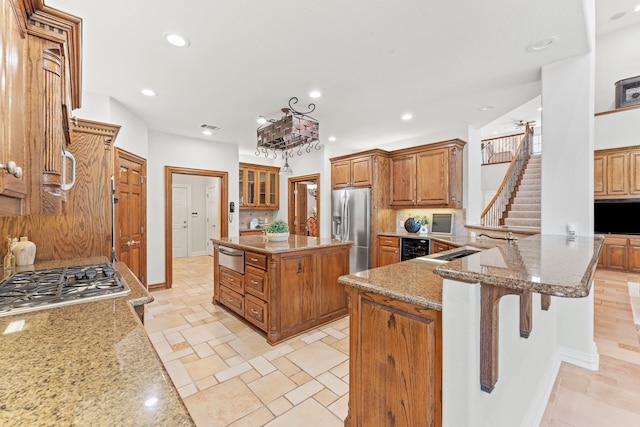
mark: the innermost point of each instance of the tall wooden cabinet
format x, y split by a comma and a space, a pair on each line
259, 187
617, 173
395, 367
368, 169
428, 176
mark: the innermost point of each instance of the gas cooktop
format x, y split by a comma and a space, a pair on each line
36, 290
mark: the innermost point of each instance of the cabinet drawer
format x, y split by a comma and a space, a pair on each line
256, 311
232, 299
255, 282
634, 242
389, 241
256, 260
615, 241
232, 279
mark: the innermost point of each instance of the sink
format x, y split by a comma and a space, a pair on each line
455, 255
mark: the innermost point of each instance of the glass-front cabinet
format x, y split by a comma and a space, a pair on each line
259, 187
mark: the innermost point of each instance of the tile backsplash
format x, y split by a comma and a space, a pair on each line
459, 218
247, 216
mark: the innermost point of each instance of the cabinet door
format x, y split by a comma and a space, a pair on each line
600, 175
262, 188
331, 295
618, 174
634, 255
250, 193
634, 173
439, 247
616, 257
396, 356
432, 178
241, 190
403, 180
296, 305
361, 172
340, 174
273, 199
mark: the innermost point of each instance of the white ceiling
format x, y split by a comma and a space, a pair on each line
373, 60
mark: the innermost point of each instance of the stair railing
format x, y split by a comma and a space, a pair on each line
500, 149
493, 212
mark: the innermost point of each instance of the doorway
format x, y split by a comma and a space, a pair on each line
130, 212
304, 205
172, 173
180, 206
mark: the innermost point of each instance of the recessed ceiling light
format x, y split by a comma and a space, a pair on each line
542, 44
332, 138
207, 132
315, 94
406, 117
540, 109
148, 92
261, 120
176, 39
487, 108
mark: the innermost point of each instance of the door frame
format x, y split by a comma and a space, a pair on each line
118, 154
168, 215
291, 200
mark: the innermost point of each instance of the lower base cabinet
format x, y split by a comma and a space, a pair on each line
620, 252
395, 376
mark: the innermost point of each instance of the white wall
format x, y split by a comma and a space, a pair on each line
473, 199
173, 150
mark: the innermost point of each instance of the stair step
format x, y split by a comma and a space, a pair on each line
529, 186
524, 214
525, 207
531, 180
528, 193
526, 200
522, 222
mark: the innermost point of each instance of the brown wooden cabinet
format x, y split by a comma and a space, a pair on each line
437, 246
352, 172
428, 176
395, 356
259, 187
368, 169
285, 293
620, 252
388, 250
617, 173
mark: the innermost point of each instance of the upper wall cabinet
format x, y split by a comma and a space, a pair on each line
41, 66
428, 176
259, 187
351, 172
617, 173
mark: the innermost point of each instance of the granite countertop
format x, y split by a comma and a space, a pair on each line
86, 364
293, 244
550, 265
458, 240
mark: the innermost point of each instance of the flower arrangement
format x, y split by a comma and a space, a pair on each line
278, 226
422, 219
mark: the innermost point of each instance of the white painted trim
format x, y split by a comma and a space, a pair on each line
589, 360
198, 253
539, 403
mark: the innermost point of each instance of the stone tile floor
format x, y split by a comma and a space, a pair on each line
228, 375
226, 372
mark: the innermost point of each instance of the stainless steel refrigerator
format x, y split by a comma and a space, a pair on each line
350, 220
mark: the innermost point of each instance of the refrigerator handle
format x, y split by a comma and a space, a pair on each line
346, 215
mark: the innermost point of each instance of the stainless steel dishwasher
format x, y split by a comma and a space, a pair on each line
231, 258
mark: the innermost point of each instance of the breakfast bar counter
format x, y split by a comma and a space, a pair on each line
425, 334
89, 363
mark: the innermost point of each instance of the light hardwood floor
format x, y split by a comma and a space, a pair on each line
228, 375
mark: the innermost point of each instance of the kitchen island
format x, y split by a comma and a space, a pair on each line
427, 347
89, 363
282, 288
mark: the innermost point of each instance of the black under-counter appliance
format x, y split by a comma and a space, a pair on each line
413, 248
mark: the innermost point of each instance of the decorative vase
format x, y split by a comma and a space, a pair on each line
277, 237
424, 229
25, 252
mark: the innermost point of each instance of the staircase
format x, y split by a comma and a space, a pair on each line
523, 210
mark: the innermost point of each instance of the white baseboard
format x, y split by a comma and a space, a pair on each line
538, 405
589, 360
198, 253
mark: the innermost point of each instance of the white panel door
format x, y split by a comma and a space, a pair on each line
180, 221
213, 215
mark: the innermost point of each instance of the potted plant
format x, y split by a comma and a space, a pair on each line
277, 231
423, 221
